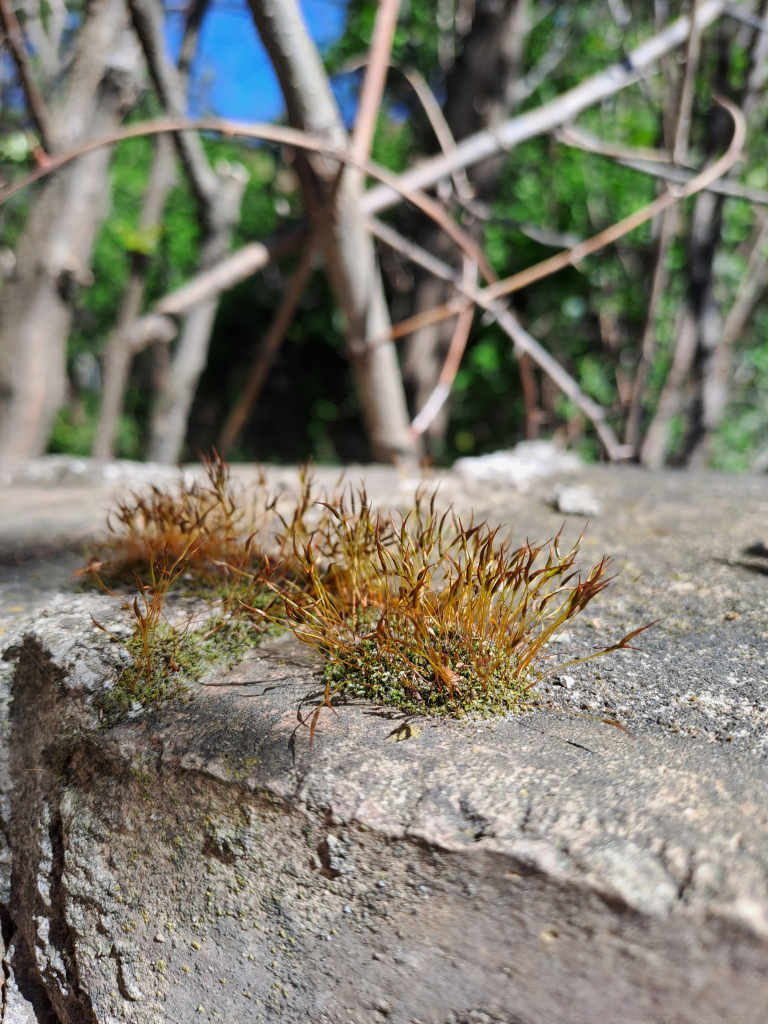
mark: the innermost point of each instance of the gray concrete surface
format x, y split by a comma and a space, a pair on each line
204, 863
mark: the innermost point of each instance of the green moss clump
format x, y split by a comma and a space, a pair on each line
177, 659
406, 680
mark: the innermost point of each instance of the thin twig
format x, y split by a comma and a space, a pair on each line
732, 11
751, 286
131, 330
442, 389
683, 127
653, 449
648, 343
543, 119
270, 133
478, 147
35, 102
666, 235
230, 271
465, 194
654, 162
375, 79
578, 138
189, 43
678, 175
147, 18
434, 115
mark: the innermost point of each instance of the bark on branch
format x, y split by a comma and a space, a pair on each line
219, 196
268, 350
55, 249
132, 334
147, 19
375, 79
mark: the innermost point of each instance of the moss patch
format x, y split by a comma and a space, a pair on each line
409, 682
177, 660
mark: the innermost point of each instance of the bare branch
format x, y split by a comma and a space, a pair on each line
651, 162
668, 230
528, 84
648, 344
35, 102
439, 126
652, 451
267, 353
375, 79
147, 20
483, 144
477, 147
128, 334
745, 18
148, 330
619, 12
442, 389
580, 138
229, 271
715, 345
434, 114
682, 129
572, 257
272, 133
414, 252
654, 162
751, 286
543, 119
191, 34
524, 342
46, 38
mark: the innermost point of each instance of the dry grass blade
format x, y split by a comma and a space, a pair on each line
154, 645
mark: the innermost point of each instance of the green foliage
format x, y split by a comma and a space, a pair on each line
176, 659
15, 147
590, 317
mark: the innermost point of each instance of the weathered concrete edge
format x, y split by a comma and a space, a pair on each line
87, 659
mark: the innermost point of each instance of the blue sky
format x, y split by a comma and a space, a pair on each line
232, 75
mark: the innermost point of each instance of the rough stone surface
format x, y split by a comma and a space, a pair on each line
203, 862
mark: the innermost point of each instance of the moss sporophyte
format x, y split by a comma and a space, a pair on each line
419, 611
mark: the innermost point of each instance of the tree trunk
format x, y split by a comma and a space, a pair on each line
352, 266
117, 356
55, 249
716, 364
218, 193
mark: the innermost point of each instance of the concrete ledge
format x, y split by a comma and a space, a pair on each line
540, 868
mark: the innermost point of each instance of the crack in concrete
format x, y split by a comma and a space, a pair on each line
35, 727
